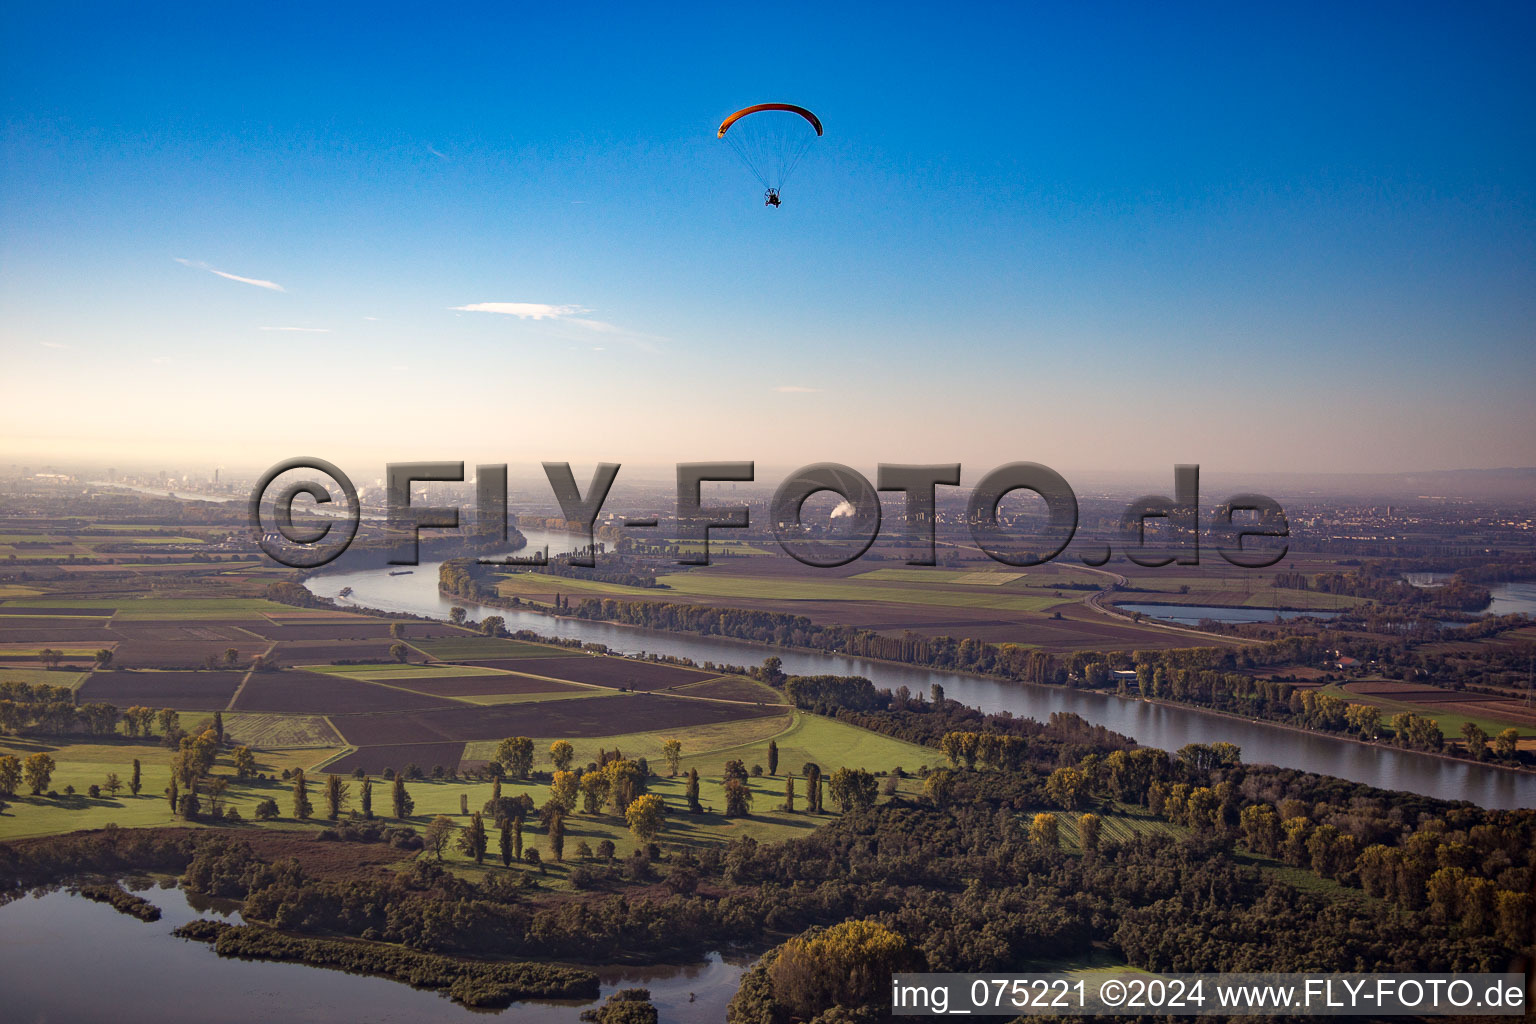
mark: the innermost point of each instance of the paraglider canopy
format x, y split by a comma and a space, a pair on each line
771, 138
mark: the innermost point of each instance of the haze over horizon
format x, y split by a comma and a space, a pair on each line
1108, 244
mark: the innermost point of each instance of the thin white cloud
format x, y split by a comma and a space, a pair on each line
299, 330
565, 314
796, 389
272, 286
523, 310
440, 156
53, 344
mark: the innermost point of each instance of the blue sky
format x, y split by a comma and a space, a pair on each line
1104, 237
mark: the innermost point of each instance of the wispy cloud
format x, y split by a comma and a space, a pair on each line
796, 389
565, 314
440, 156
53, 344
299, 330
524, 310
272, 286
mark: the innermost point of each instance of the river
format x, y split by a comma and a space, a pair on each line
49, 943
1159, 725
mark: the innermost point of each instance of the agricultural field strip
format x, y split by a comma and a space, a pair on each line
384, 683
1450, 719
692, 585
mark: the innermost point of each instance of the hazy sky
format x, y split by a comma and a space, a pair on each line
1269, 239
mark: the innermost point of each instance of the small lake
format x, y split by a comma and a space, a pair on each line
1160, 725
51, 944
1192, 614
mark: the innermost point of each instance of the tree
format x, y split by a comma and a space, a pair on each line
812, 772
336, 793
189, 806
564, 788
302, 808
493, 625
1475, 738
848, 965
103, 658
506, 842
168, 720
245, 763
560, 754
399, 652
516, 755
554, 827
267, 810
646, 816
772, 671
672, 750
437, 834
789, 793
1504, 743
366, 798
626, 781
853, 788
594, 792
456, 615
37, 770
773, 758
738, 798
1088, 830
114, 784
694, 807
1045, 830
10, 774
136, 782
736, 769
218, 727
1066, 787
171, 793
472, 840
401, 801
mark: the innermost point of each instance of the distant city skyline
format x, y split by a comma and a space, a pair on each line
1104, 239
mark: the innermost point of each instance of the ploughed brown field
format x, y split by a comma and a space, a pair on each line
160, 631
326, 652
32, 635
375, 759
315, 693
361, 629
478, 686
181, 653
185, 691
614, 672
589, 716
27, 611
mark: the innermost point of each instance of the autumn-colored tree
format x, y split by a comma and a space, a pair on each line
646, 815
10, 774
400, 652
37, 770
1045, 830
560, 754
245, 763
114, 784
694, 806
789, 793
1088, 830
1067, 788
564, 788
672, 750
847, 965
365, 798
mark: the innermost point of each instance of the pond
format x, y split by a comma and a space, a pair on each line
51, 943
